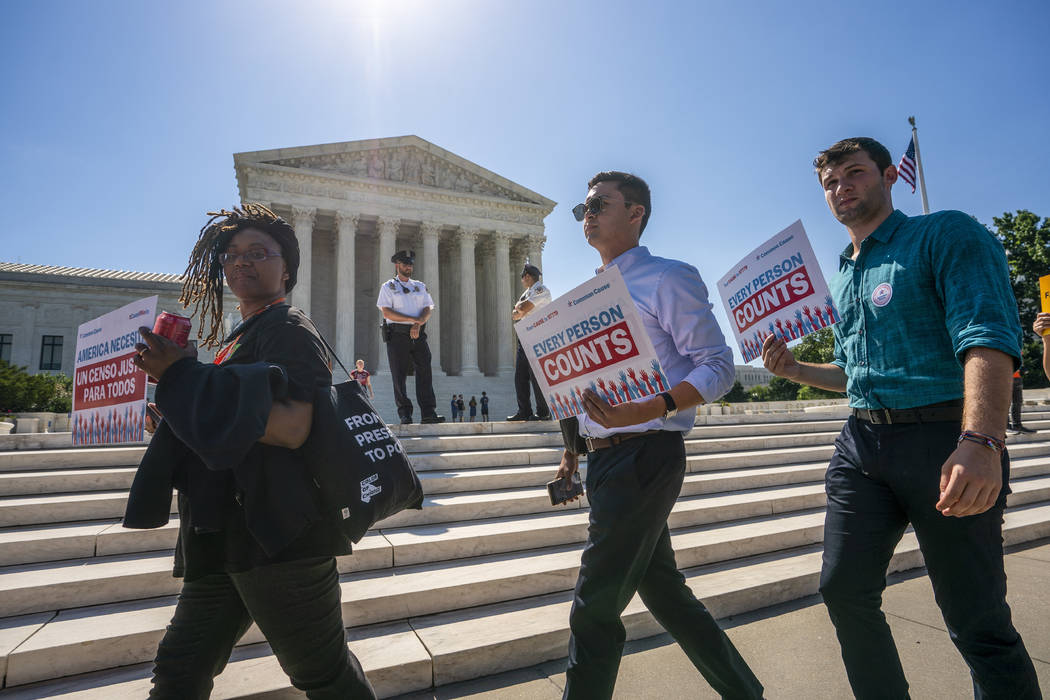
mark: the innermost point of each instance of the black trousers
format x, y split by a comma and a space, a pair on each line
296, 605
631, 488
403, 352
523, 379
1016, 399
882, 477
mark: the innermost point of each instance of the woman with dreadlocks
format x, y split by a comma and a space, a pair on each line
252, 543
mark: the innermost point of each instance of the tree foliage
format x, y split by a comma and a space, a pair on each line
738, 394
1026, 239
23, 392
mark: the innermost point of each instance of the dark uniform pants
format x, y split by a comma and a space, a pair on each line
881, 477
296, 605
403, 352
631, 488
1016, 401
522, 380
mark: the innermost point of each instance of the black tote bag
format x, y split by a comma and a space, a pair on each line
360, 467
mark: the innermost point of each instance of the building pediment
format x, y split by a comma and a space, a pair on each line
407, 161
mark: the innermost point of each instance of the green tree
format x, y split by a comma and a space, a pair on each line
818, 348
737, 394
1027, 243
778, 389
21, 391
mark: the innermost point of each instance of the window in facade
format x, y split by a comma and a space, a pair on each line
51, 352
6, 341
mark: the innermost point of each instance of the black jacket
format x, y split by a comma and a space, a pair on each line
242, 503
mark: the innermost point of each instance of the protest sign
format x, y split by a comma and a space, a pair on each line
1044, 296
591, 337
109, 391
777, 289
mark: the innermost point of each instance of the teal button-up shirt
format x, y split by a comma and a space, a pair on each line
923, 290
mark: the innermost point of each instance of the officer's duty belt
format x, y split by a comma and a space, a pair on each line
403, 328
595, 444
935, 412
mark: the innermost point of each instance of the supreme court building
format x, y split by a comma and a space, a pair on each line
354, 204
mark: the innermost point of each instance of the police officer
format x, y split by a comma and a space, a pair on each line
406, 305
535, 296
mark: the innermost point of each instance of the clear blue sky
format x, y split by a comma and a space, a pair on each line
118, 120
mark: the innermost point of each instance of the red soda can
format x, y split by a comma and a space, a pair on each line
173, 327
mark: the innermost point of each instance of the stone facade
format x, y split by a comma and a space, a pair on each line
39, 302
354, 204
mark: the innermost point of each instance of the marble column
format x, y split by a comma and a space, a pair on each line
303, 223
386, 232
431, 276
468, 304
506, 339
536, 242
345, 239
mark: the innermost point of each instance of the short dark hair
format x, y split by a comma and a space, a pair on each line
846, 147
633, 188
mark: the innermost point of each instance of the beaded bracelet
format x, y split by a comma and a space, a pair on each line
981, 439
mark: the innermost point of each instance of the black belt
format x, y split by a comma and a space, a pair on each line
403, 328
935, 412
595, 444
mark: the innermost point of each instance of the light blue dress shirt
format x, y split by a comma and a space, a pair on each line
672, 301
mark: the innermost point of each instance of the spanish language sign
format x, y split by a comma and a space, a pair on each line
109, 391
777, 289
591, 337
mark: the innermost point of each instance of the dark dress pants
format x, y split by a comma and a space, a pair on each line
296, 605
523, 379
631, 488
403, 352
881, 477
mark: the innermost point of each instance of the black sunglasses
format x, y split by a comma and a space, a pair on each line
594, 206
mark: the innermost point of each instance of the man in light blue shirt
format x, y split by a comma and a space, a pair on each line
636, 460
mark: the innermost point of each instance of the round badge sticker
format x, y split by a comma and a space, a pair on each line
882, 294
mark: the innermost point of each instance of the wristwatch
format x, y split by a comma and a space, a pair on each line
672, 408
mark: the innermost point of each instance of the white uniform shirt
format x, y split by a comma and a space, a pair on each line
408, 298
539, 295
672, 300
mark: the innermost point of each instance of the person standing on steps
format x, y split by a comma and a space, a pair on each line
363, 377
406, 306
535, 296
455, 408
484, 407
928, 338
473, 408
636, 461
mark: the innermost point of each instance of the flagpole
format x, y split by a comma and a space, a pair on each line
918, 165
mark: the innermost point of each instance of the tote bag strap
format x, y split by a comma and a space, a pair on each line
332, 351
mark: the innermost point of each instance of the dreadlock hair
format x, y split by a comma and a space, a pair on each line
204, 279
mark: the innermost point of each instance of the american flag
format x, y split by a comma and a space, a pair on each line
906, 167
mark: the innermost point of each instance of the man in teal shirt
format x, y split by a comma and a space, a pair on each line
925, 350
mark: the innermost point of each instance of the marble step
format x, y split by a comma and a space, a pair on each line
65, 480
63, 507
440, 481
481, 641
84, 457
459, 586
97, 579
91, 638
49, 542
77, 582
393, 658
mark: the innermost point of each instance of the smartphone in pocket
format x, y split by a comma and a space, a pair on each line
566, 488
